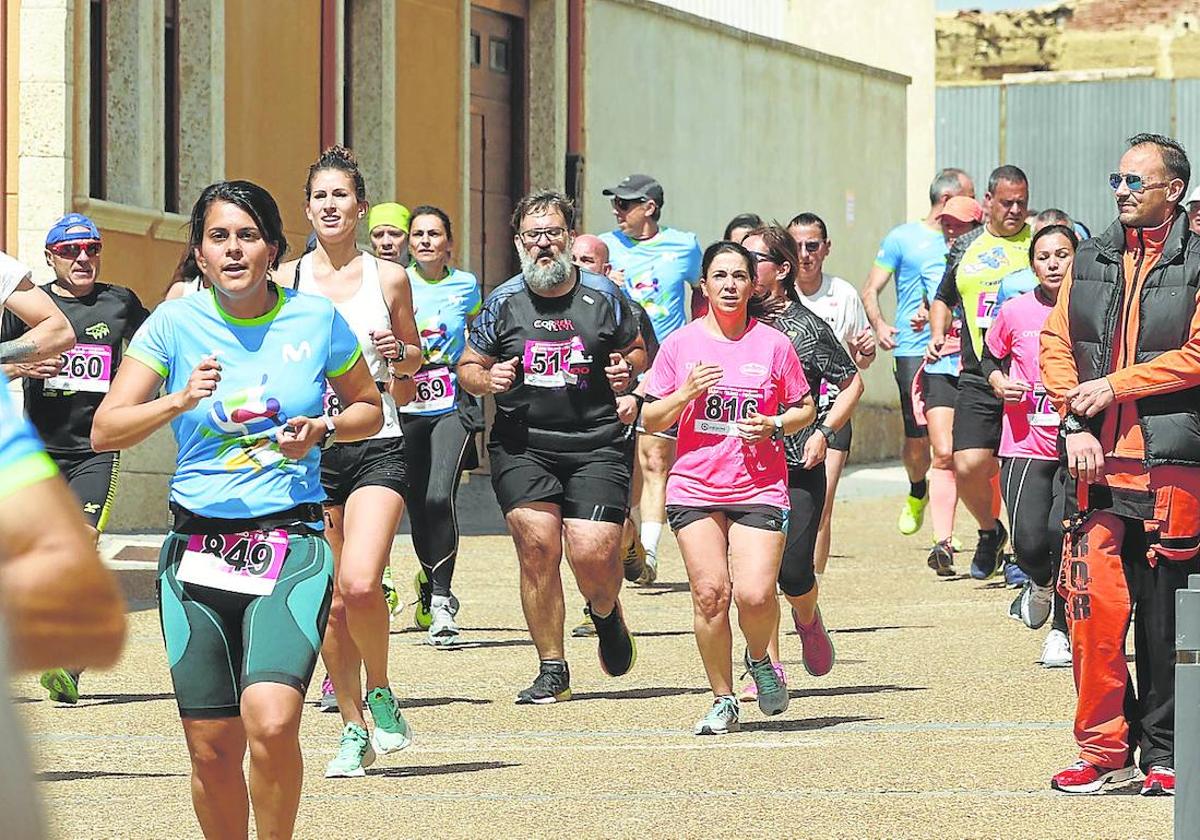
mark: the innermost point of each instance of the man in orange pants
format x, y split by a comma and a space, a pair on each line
1120, 356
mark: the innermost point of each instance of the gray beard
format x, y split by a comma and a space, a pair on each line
545, 279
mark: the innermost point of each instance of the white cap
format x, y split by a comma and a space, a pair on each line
1195, 196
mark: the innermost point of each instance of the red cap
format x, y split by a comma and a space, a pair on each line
962, 208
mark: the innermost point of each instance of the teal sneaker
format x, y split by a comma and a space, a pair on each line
62, 685
722, 718
354, 754
390, 593
391, 732
773, 696
423, 615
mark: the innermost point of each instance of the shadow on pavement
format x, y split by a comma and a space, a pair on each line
637, 693
425, 702
843, 630
662, 588
83, 775
481, 644
802, 725
440, 769
844, 690
89, 700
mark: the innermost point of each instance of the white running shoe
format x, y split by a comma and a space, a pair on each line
443, 630
1056, 650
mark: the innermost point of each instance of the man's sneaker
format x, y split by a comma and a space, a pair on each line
1160, 781
749, 691
1014, 575
1032, 605
617, 649
941, 559
1085, 777
815, 644
390, 593
773, 696
392, 731
584, 629
422, 616
634, 559
989, 552
443, 630
1056, 650
553, 684
354, 754
328, 701
912, 515
62, 685
722, 718
650, 572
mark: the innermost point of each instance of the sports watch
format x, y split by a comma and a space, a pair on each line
330, 431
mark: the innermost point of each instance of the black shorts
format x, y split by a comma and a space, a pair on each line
585, 485
763, 517
93, 480
806, 495
345, 467
904, 368
842, 438
941, 390
978, 414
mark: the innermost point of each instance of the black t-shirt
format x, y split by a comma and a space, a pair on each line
561, 399
62, 408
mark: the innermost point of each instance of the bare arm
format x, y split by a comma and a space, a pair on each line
362, 409
481, 374
877, 279
49, 331
130, 413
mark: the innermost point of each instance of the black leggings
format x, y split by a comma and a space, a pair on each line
1035, 493
436, 447
806, 497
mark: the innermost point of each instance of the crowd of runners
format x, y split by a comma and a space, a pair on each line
1046, 378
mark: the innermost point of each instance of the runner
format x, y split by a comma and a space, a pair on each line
654, 265
441, 421
61, 394
364, 480
49, 332
1031, 477
1023, 279
974, 268
727, 497
740, 225
387, 225
915, 254
553, 344
245, 576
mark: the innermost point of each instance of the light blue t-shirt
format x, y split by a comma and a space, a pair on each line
1013, 285
273, 367
657, 272
442, 309
916, 255
23, 461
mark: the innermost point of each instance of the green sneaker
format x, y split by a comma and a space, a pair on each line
62, 685
912, 515
390, 594
354, 754
423, 615
392, 732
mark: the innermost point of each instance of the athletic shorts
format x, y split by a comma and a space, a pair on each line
978, 415
762, 517
93, 480
941, 390
585, 485
842, 438
806, 496
904, 368
219, 642
345, 467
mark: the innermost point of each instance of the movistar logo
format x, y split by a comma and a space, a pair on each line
98, 331
291, 353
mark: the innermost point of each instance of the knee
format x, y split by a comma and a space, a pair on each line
539, 560
358, 593
337, 611
215, 757
712, 601
654, 463
943, 458
754, 598
968, 468
271, 731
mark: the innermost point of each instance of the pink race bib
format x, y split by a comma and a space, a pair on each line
550, 364
435, 391
248, 562
88, 368
1041, 410
986, 310
723, 405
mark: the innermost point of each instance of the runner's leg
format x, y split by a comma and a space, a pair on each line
271, 715
706, 558
217, 749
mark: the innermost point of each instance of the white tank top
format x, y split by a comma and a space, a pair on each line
365, 312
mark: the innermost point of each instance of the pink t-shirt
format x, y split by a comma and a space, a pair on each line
713, 466
1030, 426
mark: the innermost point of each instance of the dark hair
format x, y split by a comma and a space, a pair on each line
1175, 159
782, 248
1054, 216
1007, 172
252, 198
540, 201
340, 158
809, 220
755, 307
741, 220
430, 210
948, 182
1050, 230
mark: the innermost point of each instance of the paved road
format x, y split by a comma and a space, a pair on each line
935, 723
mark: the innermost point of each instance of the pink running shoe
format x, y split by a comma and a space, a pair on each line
749, 692
328, 701
817, 647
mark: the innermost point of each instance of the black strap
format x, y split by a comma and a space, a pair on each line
293, 520
296, 282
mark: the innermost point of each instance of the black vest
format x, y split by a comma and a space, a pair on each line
1170, 422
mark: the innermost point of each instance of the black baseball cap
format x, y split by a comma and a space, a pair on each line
638, 186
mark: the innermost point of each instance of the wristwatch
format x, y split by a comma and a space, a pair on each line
777, 432
1074, 424
826, 431
330, 431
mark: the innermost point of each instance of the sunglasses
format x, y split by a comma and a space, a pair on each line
70, 250
1134, 182
623, 204
553, 234
759, 256
810, 245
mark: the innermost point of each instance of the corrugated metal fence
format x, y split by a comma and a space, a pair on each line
1067, 136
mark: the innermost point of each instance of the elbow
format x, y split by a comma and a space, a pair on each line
101, 438
63, 337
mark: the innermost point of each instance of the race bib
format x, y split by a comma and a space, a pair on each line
435, 391
826, 394
1041, 410
330, 402
723, 406
550, 364
249, 562
88, 368
986, 310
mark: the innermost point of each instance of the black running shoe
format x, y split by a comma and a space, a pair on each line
989, 552
617, 649
941, 559
553, 684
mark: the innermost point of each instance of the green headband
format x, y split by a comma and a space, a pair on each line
388, 213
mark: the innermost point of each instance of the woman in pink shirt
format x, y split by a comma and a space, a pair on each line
736, 388
1031, 476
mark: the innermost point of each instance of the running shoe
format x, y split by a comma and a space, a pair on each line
815, 644
62, 685
328, 701
773, 696
1032, 605
390, 593
552, 685
1014, 575
443, 630
650, 572
392, 731
354, 754
749, 691
617, 649
989, 552
912, 515
422, 617
1056, 650
721, 719
1160, 781
584, 629
941, 559
1085, 777
634, 560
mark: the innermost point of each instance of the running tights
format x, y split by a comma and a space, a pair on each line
1034, 493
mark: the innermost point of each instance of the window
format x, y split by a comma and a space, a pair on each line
171, 106
476, 47
498, 54
98, 94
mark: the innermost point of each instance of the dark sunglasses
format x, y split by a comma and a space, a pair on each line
1134, 182
810, 245
623, 204
70, 250
759, 256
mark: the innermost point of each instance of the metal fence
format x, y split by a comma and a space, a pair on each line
1067, 136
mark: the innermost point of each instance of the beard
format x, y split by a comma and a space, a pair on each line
543, 279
